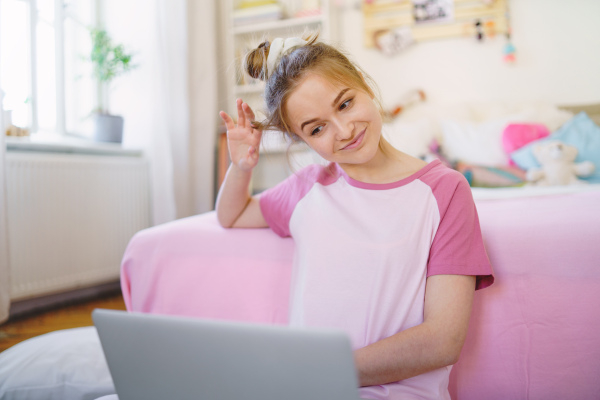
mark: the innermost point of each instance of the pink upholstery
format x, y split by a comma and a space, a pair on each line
193, 267
535, 334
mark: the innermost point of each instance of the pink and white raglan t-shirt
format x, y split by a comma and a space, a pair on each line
364, 252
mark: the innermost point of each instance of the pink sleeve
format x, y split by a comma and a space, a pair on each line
457, 247
277, 203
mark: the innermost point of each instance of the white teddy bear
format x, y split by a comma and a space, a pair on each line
558, 166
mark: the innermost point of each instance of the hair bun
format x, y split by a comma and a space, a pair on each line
256, 61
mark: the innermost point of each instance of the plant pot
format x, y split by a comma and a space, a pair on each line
108, 128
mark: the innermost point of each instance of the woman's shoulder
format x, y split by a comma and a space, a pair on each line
445, 171
441, 177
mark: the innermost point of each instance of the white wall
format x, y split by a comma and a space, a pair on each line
558, 58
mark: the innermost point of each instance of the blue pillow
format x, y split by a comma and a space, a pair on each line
581, 132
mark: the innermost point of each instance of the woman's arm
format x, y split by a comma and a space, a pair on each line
235, 207
435, 343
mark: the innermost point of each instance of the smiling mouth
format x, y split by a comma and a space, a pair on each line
356, 142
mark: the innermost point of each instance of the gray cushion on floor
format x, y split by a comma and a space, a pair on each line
62, 365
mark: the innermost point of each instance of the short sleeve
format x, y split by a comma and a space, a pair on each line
457, 247
278, 203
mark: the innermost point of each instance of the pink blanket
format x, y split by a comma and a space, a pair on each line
535, 334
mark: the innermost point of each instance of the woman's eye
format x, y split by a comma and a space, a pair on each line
345, 104
316, 130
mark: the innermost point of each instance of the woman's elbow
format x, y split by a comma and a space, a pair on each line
452, 358
451, 351
225, 222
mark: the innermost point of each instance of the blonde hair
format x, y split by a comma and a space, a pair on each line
315, 58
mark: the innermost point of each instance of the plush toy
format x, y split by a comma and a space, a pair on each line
558, 166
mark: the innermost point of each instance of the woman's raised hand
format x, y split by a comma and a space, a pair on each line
243, 140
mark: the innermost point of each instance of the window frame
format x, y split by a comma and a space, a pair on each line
60, 17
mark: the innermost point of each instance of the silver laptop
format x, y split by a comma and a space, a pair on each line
165, 357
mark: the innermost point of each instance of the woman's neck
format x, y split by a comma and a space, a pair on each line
388, 165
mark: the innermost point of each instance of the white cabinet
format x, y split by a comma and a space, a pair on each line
297, 18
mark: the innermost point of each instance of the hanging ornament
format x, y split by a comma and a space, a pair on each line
479, 30
490, 28
509, 48
393, 41
509, 51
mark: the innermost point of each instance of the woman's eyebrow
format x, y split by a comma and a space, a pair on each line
339, 96
306, 123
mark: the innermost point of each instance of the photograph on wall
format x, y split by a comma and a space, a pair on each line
428, 11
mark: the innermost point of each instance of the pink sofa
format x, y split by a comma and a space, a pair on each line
535, 334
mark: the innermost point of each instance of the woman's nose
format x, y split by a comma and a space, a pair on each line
343, 130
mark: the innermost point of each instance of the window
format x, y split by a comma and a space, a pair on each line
47, 83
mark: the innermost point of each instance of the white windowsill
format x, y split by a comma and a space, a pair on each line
54, 143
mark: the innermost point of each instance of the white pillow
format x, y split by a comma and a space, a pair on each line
411, 137
550, 116
480, 142
62, 365
475, 143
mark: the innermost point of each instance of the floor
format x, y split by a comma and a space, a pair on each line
71, 316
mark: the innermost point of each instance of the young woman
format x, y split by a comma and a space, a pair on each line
388, 247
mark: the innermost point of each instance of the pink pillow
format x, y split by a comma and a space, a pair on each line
516, 136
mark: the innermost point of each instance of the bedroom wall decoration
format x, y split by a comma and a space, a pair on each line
459, 19
509, 47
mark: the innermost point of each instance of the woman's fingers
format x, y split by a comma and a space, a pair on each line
227, 120
249, 114
241, 114
245, 117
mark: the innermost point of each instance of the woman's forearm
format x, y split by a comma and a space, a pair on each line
234, 195
409, 353
434, 344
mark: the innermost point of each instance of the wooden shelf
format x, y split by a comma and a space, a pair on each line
249, 89
384, 15
278, 24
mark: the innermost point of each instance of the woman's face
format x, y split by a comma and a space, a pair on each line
342, 124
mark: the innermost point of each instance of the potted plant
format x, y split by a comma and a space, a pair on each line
110, 61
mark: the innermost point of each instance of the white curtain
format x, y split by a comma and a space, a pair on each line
4, 268
155, 100
202, 28
173, 101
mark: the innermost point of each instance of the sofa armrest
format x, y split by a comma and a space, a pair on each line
195, 267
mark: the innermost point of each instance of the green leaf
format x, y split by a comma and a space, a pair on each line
110, 60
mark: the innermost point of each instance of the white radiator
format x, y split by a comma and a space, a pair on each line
70, 218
